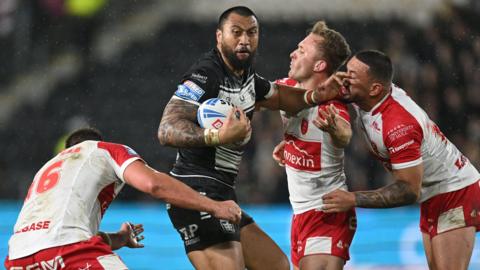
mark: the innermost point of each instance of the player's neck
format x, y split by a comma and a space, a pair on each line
373, 102
313, 82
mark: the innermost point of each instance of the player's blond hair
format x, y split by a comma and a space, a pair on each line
335, 49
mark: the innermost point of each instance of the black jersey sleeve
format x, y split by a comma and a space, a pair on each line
198, 84
263, 88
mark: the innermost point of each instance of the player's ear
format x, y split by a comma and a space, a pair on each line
320, 66
219, 36
376, 89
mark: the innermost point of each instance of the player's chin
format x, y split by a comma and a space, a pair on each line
291, 73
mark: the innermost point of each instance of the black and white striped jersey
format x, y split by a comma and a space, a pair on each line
209, 78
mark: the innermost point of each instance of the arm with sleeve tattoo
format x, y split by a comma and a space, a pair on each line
178, 126
399, 193
404, 191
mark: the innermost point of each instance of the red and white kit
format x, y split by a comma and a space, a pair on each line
401, 135
314, 167
69, 196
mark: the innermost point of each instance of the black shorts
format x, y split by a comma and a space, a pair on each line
200, 230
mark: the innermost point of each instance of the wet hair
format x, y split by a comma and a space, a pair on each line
380, 65
240, 10
334, 46
83, 134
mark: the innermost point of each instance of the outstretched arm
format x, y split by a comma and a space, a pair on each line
404, 191
293, 100
170, 190
129, 235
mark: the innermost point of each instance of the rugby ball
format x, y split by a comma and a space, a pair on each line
213, 112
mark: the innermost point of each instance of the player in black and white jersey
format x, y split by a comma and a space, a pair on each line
207, 159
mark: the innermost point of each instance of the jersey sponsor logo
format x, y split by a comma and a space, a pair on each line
399, 131
41, 225
190, 91
393, 150
227, 227
188, 234
53, 264
302, 155
200, 78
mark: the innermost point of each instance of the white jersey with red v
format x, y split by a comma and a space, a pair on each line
401, 134
314, 165
69, 196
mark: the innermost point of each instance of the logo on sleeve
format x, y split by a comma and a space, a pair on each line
396, 149
189, 91
200, 78
130, 151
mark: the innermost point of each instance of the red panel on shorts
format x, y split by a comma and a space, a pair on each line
456, 209
81, 255
319, 227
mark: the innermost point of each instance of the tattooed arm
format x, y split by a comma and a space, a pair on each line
404, 191
179, 128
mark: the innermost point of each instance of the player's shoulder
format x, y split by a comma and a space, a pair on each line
113, 147
287, 81
207, 66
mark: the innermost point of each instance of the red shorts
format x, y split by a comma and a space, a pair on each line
315, 232
91, 254
451, 210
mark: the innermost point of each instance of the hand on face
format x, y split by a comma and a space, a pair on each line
332, 88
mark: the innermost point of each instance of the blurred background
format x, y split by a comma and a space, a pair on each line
115, 64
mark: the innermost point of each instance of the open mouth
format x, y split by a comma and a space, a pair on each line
243, 54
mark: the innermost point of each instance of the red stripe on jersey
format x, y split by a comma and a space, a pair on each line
120, 153
287, 81
402, 134
105, 197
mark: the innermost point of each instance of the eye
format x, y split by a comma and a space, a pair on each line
252, 32
236, 32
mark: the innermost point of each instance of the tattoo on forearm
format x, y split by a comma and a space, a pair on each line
178, 125
397, 194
